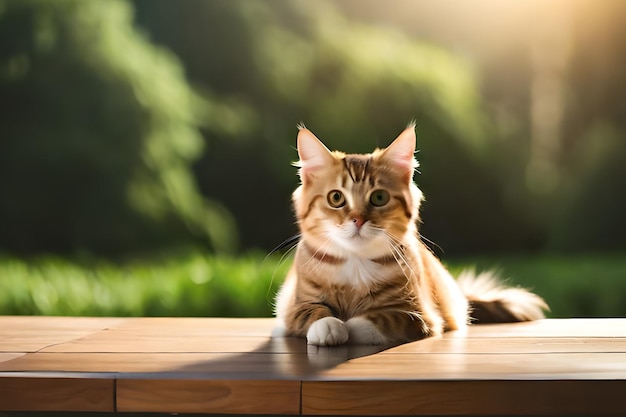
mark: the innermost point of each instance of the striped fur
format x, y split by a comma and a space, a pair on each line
361, 274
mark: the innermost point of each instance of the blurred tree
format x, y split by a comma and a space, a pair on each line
553, 76
356, 86
588, 213
98, 132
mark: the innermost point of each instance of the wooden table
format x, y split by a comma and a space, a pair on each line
200, 365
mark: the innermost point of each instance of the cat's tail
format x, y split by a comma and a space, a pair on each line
492, 302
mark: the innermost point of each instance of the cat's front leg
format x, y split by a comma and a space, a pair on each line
329, 331
363, 332
388, 327
315, 321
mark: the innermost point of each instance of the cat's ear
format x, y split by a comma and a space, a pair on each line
400, 154
314, 155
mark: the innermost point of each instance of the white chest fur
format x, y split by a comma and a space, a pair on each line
359, 272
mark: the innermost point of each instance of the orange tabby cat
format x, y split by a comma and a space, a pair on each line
361, 274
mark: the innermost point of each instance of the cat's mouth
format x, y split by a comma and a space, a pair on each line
357, 235
360, 232
351, 235
363, 242
356, 232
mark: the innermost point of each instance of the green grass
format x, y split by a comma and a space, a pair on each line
193, 283
189, 284
573, 285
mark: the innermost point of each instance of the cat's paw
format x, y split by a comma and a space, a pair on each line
363, 332
329, 331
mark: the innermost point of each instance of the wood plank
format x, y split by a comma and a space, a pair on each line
615, 327
464, 398
184, 335
5, 356
199, 326
30, 334
318, 366
254, 365
213, 335
200, 396
116, 342
56, 394
537, 345
219, 365
286, 358
154, 365
568, 366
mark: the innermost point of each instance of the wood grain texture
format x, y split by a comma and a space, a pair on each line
529, 345
115, 342
30, 334
195, 396
572, 328
9, 356
164, 365
464, 398
56, 394
592, 366
175, 327
199, 365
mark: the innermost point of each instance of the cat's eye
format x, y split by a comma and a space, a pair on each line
379, 198
336, 199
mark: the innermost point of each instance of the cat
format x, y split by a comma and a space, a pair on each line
361, 274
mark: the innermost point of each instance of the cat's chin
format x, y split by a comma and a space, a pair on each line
363, 247
367, 243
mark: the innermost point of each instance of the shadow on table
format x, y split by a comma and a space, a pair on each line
280, 358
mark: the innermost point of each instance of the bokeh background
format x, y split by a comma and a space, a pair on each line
145, 145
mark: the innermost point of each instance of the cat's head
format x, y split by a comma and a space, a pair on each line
356, 203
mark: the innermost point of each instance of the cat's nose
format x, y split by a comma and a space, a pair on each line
358, 221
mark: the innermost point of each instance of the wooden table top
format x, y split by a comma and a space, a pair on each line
202, 365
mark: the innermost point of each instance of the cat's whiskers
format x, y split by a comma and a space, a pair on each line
424, 238
395, 246
288, 252
318, 254
291, 244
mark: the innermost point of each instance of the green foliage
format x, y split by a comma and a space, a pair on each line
356, 86
590, 210
584, 285
193, 283
99, 129
112, 144
186, 284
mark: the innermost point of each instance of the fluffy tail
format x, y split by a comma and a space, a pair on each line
492, 302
